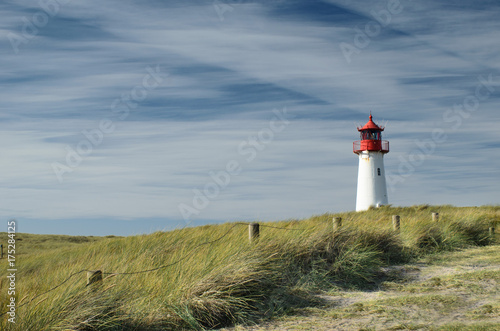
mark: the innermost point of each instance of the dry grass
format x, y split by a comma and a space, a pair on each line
230, 280
445, 291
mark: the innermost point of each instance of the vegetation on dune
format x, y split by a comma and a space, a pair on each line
193, 285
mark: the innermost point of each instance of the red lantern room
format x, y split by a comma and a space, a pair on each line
371, 139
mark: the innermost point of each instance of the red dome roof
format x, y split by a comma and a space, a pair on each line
370, 125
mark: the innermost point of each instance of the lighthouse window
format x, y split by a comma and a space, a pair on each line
378, 171
370, 135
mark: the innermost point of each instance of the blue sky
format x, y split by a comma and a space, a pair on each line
126, 117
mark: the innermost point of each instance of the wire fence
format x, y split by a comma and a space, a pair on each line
254, 231
184, 257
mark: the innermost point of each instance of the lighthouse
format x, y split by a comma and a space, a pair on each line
372, 189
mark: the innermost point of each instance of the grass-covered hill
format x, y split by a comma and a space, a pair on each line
212, 276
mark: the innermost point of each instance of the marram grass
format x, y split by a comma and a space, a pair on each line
229, 280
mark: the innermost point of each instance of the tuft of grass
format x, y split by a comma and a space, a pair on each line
486, 311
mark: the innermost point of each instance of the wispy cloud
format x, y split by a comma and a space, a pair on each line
225, 77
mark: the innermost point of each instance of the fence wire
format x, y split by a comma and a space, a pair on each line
154, 269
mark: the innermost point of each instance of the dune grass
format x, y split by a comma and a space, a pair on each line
229, 280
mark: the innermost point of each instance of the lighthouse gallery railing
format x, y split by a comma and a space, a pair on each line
371, 145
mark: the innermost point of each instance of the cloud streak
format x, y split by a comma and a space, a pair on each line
225, 77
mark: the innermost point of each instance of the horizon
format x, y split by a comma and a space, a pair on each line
158, 225
126, 117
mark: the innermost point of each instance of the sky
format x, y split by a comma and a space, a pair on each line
123, 117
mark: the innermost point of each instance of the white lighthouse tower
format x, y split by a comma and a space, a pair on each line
372, 189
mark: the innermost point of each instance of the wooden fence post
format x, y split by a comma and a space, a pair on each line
435, 217
253, 231
2, 250
396, 222
337, 223
94, 277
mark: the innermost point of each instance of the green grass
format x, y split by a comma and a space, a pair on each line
34, 243
456, 292
466, 327
230, 280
